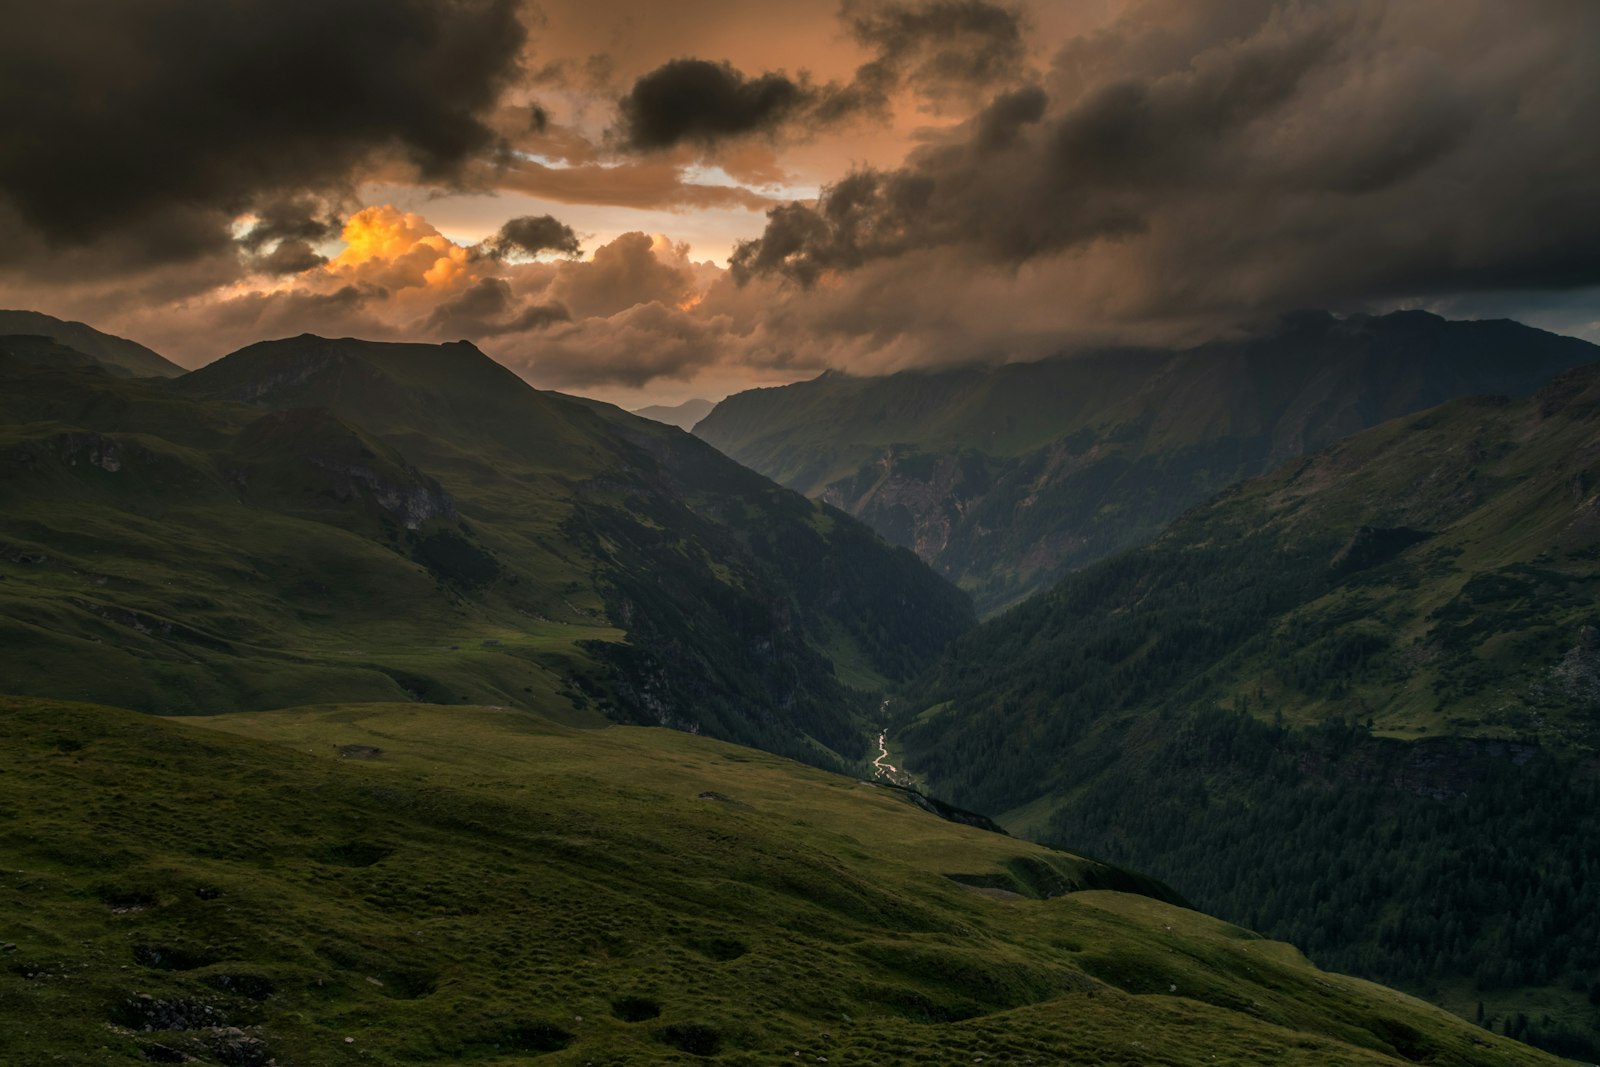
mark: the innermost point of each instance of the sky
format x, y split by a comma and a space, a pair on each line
648, 202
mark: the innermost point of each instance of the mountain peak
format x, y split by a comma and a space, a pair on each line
446, 391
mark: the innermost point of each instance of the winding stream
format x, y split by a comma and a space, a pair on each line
881, 767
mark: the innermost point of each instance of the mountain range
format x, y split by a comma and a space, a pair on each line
346, 520
1354, 703
1004, 479
394, 595
683, 415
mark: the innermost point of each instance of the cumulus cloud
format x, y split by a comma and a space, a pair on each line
636, 268
192, 112
400, 250
1251, 154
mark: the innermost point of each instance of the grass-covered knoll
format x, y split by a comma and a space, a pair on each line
343, 520
1369, 682
412, 884
1005, 478
118, 355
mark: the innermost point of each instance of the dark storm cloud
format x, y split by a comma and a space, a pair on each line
697, 101
1259, 153
290, 221
118, 113
532, 234
940, 48
289, 257
489, 308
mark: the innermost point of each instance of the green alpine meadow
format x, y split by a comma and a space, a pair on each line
415, 883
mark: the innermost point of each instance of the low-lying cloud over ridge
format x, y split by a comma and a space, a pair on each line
1247, 154
200, 175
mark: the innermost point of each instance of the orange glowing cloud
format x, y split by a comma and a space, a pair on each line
400, 249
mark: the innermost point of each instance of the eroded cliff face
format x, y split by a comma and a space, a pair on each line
915, 500
73, 448
410, 502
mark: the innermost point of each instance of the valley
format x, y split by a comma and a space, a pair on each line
976, 533
1348, 703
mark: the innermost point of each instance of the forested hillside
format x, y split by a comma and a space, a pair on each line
1351, 702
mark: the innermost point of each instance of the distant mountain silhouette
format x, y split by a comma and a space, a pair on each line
683, 415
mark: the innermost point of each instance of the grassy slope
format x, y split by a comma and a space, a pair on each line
163, 584
173, 546
1005, 478
491, 886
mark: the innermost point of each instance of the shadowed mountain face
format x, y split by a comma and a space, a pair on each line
315, 519
1369, 680
121, 357
1004, 479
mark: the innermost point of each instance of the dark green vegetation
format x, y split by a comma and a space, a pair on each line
119, 356
412, 884
1355, 704
342, 520
1005, 479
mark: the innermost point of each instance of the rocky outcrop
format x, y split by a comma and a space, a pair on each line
77, 448
307, 457
1578, 673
